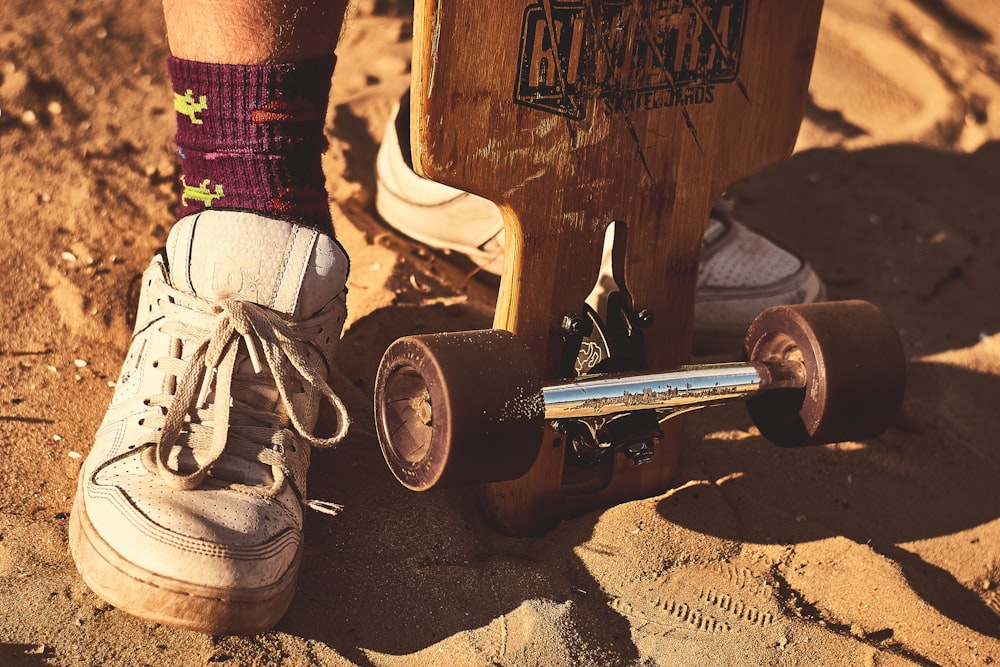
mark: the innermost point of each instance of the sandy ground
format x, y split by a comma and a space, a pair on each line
877, 553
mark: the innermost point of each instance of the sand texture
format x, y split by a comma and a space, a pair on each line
879, 553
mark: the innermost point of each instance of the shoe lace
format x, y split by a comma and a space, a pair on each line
237, 418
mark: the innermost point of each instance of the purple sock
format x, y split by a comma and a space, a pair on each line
251, 138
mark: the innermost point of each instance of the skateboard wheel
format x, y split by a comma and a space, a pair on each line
855, 372
458, 408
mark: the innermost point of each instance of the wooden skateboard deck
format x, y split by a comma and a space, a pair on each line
573, 114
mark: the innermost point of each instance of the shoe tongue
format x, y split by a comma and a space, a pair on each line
286, 267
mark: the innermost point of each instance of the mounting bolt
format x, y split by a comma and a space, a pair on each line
424, 412
572, 325
639, 453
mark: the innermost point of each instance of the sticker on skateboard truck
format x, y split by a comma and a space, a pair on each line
673, 54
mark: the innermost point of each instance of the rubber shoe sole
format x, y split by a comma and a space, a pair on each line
171, 602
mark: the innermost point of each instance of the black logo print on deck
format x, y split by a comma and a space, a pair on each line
631, 54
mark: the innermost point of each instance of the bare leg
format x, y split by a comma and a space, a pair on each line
253, 32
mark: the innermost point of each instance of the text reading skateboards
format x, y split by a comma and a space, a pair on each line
672, 54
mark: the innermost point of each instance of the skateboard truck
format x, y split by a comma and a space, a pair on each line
599, 344
469, 407
601, 413
607, 337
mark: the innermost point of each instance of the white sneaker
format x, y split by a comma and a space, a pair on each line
436, 215
188, 510
741, 273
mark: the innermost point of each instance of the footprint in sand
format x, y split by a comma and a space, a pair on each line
716, 599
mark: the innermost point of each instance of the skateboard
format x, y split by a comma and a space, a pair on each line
605, 130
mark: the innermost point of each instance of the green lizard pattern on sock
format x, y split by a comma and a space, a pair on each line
200, 192
186, 106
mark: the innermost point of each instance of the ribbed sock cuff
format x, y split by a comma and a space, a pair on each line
251, 137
